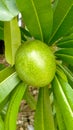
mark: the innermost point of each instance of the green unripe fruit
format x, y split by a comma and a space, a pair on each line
35, 63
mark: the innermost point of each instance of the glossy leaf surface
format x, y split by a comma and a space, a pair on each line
43, 116
6, 72
8, 10
66, 42
3, 105
68, 73
63, 20
1, 124
66, 55
67, 38
60, 120
62, 93
38, 17
7, 85
65, 51
68, 91
61, 73
12, 40
11, 115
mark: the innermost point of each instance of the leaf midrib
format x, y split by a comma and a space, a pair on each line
64, 96
69, 56
67, 72
65, 42
15, 97
42, 110
60, 23
35, 10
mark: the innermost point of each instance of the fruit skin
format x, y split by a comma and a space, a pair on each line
35, 63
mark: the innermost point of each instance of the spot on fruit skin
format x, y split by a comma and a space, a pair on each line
35, 63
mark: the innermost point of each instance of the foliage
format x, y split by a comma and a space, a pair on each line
52, 23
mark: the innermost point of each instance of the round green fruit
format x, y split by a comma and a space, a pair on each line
35, 63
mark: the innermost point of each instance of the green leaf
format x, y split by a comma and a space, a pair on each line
4, 110
66, 38
65, 51
68, 92
4, 104
6, 72
68, 73
60, 120
66, 58
66, 44
54, 4
7, 85
71, 68
12, 40
8, 10
25, 35
60, 72
30, 99
70, 31
38, 17
1, 124
2, 66
43, 115
11, 115
25, 32
63, 19
62, 94
1, 30
66, 55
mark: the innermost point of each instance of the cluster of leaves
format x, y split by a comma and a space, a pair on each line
51, 23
